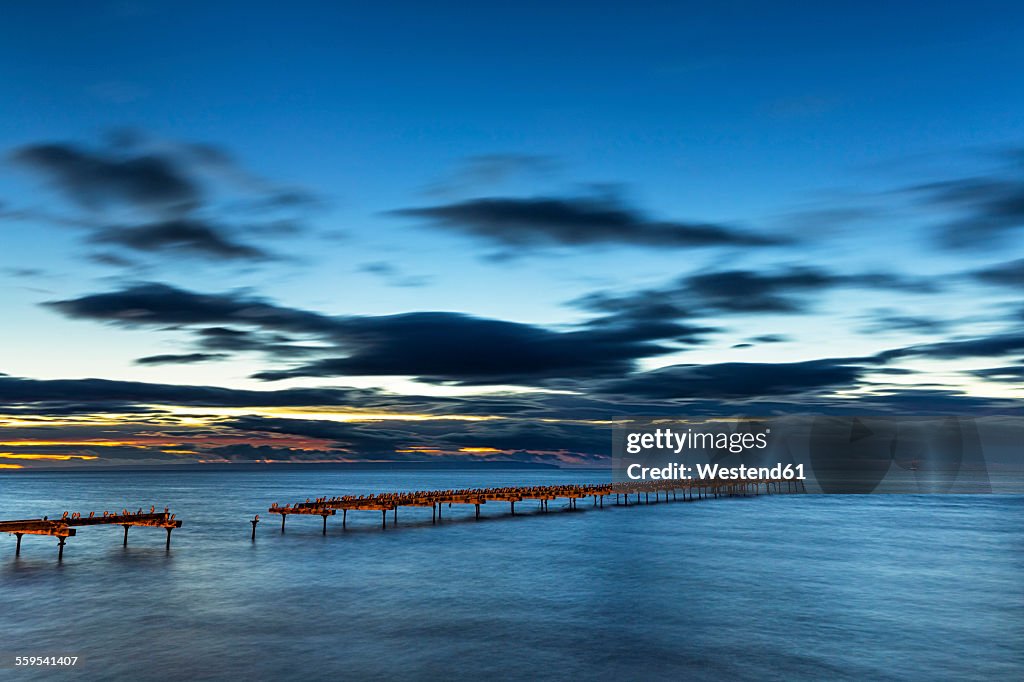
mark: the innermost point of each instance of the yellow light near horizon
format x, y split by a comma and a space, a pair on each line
59, 458
11, 466
107, 419
479, 450
70, 443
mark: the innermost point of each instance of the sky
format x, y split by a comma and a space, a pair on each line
380, 231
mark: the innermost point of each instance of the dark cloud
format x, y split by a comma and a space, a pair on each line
453, 347
151, 304
788, 290
738, 380
1009, 274
771, 338
225, 338
435, 346
95, 179
574, 221
784, 291
243, 452
103, 392
1010, 374
650, 320
997, 345
182, 199
179, 235
185, 359
986, 208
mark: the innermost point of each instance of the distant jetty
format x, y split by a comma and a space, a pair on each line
436, 499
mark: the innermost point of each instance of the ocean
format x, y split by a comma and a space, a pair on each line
781, 587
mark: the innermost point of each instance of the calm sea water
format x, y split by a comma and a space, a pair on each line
784, 587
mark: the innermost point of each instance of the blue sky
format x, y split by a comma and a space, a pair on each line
791, 183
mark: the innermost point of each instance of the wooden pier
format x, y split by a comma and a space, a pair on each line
436, 499
65, 526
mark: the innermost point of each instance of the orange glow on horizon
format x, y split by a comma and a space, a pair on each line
68, 443
59, 458
11, 466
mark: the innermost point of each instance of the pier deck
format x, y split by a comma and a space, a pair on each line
63, 528
436, 499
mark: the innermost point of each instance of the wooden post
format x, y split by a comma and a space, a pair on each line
17, 549
60, 548
395, 515
126, 527
513, 503
433, 513
254, 522
344, 518
478, 510
383, 518
282, 521
325, 524
168, 546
